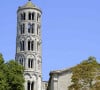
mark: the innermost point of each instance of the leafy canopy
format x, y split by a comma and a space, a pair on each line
11, 75
85, 75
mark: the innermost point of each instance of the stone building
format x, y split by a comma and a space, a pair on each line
60, 79
28, 51
28, 44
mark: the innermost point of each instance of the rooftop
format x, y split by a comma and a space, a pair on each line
29, 5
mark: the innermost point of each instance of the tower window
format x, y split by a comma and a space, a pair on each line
21, 61
22, 28
28, 45
22, 47
31, 45
32, 86
30, 63
33, 16
31, 28
29, 16
21, 31
38, 17
23, 16
28, 85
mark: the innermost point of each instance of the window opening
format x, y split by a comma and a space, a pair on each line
28, 85
33, 26
33, 16
28, 45
32, 86
29, 16
32, 45
24, 16
29, 28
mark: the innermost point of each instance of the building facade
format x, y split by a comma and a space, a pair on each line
60, 79
28, 52
28, 44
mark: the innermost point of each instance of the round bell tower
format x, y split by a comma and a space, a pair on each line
28, 44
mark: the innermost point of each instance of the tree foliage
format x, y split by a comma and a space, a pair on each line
11, 75
86, 75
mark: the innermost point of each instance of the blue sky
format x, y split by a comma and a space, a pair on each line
70, 31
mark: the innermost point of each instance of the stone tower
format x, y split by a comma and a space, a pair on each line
28, 44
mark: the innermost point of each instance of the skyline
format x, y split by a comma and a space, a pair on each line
70, 31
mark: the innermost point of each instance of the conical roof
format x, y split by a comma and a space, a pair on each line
29, 5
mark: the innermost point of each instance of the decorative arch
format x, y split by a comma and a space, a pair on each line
31, 61
21, 60
23, 16
31, 28
30, 44
27, 76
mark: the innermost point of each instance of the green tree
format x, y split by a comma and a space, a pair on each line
84, 74
15, 77
11, 75
3, 80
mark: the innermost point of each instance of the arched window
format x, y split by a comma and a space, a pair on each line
24, 16
33, 28
29, 16
33, 16
22, 28
32, 86
21, 15
38, 17
21, 61
30, 63
22, 47
30, 45
28, 85
29, 27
